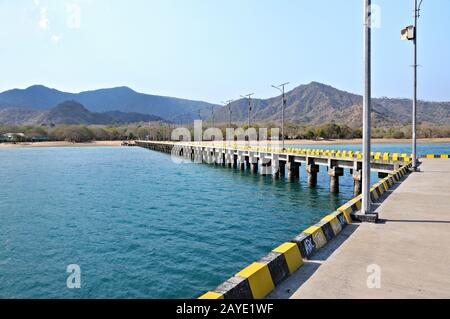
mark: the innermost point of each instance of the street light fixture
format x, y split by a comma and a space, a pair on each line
283, 96
410, 33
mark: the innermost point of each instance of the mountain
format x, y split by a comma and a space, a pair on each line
16, 115
70, 112
121, 99
317, 103
314, 103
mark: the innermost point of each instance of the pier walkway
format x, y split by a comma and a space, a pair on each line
405, 255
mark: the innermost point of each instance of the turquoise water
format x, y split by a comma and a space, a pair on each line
422, 149
139, 225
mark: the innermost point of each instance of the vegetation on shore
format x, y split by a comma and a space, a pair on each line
161, 131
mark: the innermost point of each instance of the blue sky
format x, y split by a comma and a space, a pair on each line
216, 50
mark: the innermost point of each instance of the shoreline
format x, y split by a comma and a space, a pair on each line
287, 142
61, 144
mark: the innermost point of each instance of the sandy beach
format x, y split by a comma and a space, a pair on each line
62, 144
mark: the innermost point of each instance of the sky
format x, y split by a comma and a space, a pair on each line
215, 50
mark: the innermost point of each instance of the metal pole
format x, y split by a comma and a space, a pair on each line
249, 109
281, 88
228, 104
366, 201
249, 96
282, 118
212, 114
414, 111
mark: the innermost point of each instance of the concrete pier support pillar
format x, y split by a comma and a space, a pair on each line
265, 169
217, 157
312, 171
235, 161
275, 171
335, 173
211, 156
247, 163
203, 155
253, 162
241, 159
293, 170
198, 157
206, 156
357, 180
275, 166
229, 159
282, 169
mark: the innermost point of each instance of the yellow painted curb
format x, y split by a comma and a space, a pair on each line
211, 295
292, 255
317, 235
335, 225
259, 279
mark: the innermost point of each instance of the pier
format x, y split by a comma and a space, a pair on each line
405, 255
338, 258
283, 163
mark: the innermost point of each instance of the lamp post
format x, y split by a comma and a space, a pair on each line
366, 201
249, 97
410, 33
212, 115
281, 88
228, 104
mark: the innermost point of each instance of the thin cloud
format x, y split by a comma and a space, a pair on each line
44, 22
56, 38
74, 16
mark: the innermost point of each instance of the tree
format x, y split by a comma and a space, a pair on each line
73, 133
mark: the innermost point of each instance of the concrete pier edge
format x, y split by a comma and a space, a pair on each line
263, 276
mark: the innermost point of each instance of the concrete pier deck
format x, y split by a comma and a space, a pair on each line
408, 251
